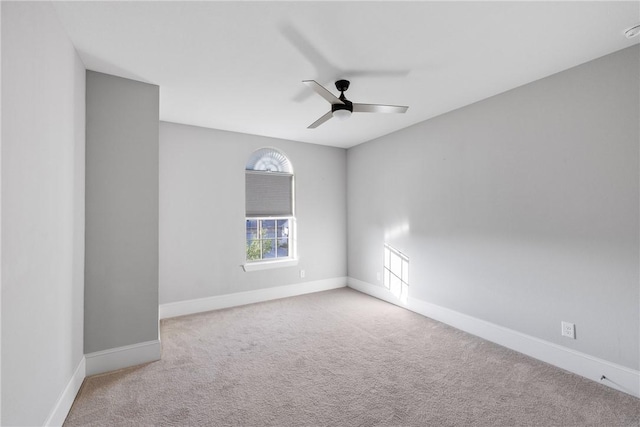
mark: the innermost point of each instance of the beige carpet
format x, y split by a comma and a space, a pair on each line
340, 358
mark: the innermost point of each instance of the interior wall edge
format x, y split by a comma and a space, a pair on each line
42, 212
618, 377
0, 214
65, 401
121, 212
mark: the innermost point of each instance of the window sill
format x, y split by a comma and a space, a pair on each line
266, 265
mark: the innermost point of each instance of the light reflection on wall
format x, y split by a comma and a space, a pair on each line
396, 231
396, 273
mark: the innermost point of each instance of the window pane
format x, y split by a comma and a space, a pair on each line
268, 239
269, 159
268, 229
387, 260
283, 228
252, 229
386, 278
253, 242
268, 248
253, 249
283, 248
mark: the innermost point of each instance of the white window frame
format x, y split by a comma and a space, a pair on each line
265, 264
292, 258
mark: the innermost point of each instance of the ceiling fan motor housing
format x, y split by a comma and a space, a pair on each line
342, 85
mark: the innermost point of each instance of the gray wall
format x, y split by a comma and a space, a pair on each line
521, 210
42, 211
121, 258
202, 225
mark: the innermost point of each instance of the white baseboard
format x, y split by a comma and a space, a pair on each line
63, 405
200, 305
122, 357
617, 376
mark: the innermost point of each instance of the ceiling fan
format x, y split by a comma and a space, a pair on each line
342, 108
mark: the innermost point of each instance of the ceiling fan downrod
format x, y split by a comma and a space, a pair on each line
342, 86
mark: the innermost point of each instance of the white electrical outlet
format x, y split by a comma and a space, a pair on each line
302, 274
378, 277
568, 330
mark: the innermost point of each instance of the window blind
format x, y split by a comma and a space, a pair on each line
268, 194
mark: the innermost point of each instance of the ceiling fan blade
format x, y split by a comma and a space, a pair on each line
377, 108
352, 74
321, 120
320, 90
320, 62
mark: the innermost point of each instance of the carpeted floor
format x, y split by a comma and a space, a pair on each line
340, 358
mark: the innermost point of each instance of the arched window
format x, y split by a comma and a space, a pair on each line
269, 207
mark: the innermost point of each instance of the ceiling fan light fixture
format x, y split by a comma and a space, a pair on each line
342, 114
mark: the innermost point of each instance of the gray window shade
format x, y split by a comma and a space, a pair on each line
268, 194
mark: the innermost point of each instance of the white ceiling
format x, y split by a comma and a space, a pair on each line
238, 66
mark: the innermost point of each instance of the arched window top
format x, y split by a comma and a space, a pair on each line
270, 160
